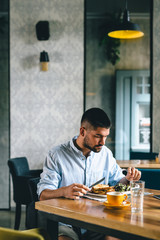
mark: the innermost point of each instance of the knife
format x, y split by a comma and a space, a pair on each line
97, 182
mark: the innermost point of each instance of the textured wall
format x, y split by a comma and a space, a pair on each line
45, 106
156, 77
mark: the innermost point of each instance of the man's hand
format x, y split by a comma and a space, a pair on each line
133, 174
75, 190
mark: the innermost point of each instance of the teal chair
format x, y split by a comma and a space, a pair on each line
143, 155
151, 178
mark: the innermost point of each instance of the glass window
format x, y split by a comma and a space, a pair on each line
101, 74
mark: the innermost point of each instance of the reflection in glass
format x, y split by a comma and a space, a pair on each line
101, 75
144, 125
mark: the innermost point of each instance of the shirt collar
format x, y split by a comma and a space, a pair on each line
75, 148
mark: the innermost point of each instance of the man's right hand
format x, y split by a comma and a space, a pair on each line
75, 190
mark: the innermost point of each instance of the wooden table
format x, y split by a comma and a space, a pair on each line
93, 215
139, 164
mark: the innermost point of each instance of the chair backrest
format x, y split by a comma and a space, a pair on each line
20, 172
143, 155
151, 178
31, 217
33, 188
18, 166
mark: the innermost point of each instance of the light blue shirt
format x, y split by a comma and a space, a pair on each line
65, 164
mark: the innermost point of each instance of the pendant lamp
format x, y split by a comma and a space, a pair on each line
127, 29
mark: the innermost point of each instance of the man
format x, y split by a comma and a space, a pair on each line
71, 168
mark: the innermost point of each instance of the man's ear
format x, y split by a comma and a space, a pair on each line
82, 131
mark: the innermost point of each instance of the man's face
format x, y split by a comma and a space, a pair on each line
94, 139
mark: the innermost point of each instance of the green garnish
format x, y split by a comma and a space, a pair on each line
120, 187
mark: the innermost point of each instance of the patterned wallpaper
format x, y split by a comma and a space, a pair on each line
45, 106
156, 77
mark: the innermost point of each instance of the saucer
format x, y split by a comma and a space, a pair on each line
123, 205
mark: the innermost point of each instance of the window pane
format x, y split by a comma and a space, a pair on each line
144, 125
147, 90
139, 90
147, 80
139, 80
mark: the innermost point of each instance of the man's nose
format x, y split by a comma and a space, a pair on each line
102, 141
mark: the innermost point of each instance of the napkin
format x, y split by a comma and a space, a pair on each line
96, 198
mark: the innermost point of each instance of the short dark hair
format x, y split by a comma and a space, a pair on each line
97, 118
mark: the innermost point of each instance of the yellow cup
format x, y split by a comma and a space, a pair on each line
116, 198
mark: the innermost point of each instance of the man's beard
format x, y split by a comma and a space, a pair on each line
95, 148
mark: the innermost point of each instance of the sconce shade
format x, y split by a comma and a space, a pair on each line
44, 57
127, 29
42, 30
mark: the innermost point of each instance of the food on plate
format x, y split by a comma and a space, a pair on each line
120, 187
102, 189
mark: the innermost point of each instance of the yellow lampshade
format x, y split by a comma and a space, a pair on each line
126, 34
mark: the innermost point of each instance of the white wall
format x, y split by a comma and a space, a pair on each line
46, 107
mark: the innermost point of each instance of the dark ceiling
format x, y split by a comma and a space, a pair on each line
3, 5
103, 6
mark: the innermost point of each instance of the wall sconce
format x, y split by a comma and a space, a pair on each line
44, 59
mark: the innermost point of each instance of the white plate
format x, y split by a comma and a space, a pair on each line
127, 192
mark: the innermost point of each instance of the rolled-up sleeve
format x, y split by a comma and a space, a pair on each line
51, 175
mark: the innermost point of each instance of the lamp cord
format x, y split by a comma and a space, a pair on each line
126, 4
126, 17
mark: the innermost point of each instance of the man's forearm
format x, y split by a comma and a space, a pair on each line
73, 191
49, 194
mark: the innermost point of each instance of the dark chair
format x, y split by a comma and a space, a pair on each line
33, 188
31, 215
143, 155
21, 173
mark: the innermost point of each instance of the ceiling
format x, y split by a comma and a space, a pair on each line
3, 5
104, 6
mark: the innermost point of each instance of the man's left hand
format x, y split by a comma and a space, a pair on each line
133, 174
